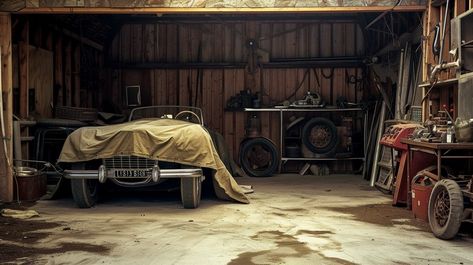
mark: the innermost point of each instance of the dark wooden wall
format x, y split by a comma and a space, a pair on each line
139, 53
75, 76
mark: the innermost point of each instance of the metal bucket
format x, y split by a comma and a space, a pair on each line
31, 184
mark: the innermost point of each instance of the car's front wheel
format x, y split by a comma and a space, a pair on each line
84, 191
191, 192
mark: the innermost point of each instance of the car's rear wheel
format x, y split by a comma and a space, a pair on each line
191, 192
84, 191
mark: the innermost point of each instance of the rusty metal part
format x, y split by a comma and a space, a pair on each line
442, 208
320, 136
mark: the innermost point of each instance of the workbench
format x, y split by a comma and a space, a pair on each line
462, 212
439, 150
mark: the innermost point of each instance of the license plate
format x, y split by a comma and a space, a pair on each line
132, 173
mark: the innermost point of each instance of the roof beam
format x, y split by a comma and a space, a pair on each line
12, 5
184, 10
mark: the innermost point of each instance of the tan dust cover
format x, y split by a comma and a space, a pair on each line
160, 139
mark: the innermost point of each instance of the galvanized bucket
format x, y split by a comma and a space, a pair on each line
31, 183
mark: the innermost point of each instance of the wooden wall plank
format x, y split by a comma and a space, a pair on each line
58, 71
227, 42
240, 41
217, 103
290, 47
184, 87
41, 72
137, 51
146, 86
173, 42
314, 40
218, 42
68, 73
125, 45
23, 54
6, 172
184, 43
240, 117
161, 32
228, 130
149, 38
172, 87
460, 7
76, 77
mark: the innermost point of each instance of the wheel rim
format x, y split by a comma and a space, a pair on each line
320, 136
442, 208
259, 158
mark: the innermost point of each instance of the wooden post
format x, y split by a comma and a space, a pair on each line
76, 76
6, 172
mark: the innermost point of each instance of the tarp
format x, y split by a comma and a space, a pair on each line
159, 139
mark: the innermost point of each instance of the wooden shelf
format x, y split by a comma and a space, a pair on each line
441, 83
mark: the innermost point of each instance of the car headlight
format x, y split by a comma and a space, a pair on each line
155, 173
102, 174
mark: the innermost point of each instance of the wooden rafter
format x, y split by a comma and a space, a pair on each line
183, 10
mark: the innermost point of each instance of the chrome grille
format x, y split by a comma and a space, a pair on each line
129, 162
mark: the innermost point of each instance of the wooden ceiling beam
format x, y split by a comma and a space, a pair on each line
12, 5
182, 10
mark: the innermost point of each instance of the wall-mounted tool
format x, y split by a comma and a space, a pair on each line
436, 43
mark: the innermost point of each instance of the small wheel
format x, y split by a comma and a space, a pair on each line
320, 136
187, 115
445, 209
191, 192
84, 191
259, 157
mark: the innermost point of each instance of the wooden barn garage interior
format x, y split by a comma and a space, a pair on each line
384, 81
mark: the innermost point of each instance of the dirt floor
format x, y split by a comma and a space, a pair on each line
292, 219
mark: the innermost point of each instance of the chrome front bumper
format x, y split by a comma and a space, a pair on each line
103, 174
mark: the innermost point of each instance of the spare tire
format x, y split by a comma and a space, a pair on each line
259, 157
320, 136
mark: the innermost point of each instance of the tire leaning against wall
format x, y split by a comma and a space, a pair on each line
267, 146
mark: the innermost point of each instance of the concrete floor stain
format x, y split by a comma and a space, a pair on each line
313, 232
280, 214
382, 214
19, 240
297, 210
288, 248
